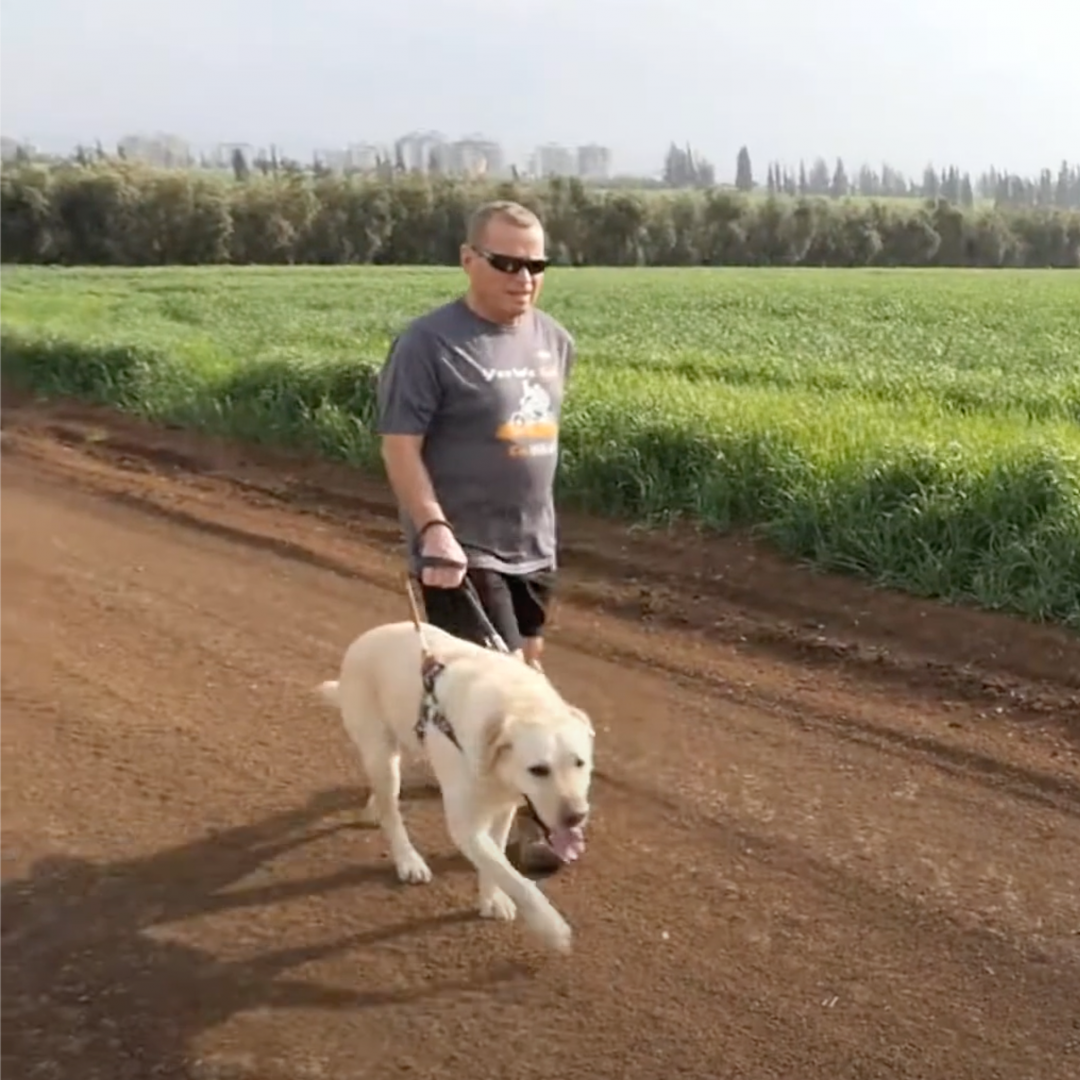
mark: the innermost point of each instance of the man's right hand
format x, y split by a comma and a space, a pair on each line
439, 542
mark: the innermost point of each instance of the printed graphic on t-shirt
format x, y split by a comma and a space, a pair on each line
532, 429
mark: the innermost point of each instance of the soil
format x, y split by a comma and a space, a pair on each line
836, 830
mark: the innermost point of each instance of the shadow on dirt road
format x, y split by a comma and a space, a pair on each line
88, 986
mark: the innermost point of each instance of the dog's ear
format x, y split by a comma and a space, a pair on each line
583, 717
494, 741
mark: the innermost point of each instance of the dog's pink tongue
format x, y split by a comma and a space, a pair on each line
568, 844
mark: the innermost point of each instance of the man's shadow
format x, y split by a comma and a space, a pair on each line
87, 992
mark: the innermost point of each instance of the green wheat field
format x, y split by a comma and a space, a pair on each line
918, 427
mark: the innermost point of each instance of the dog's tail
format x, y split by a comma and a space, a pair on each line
330, 692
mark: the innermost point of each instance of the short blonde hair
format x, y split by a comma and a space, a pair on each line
506, 210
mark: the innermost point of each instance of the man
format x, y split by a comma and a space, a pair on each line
469, 403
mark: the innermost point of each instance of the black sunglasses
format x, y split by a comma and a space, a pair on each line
512, 264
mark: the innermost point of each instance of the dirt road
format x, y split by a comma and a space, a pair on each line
837, 833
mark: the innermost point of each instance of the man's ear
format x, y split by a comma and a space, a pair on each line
494, 742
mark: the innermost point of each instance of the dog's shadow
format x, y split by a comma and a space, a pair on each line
88, 991
419, 786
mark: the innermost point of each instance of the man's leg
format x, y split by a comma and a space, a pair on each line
532, 595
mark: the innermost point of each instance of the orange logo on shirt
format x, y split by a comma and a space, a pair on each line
533, 420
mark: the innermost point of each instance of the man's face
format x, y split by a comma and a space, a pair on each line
506, 296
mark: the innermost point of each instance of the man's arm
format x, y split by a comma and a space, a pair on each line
408, 397
409, 478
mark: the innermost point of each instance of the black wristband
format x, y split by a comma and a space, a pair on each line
431, 525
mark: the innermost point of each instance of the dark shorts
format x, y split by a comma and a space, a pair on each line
517, 606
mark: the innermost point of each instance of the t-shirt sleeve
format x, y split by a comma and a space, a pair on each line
409, 391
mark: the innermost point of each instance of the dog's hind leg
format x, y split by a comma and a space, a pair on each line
353, 714
384, 771
382, 763
494, 903
369, 813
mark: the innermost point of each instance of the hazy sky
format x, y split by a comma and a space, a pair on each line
970, 82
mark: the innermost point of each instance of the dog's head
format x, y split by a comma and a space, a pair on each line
543, 749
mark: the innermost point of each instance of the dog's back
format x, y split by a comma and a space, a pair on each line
379, 685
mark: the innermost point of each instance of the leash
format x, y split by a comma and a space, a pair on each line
495, 639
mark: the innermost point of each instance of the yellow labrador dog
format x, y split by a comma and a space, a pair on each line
503, 734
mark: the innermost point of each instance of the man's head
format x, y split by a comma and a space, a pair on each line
504, 257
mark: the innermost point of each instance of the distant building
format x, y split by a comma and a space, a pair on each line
356, 157
554, 160
593, 162
165, 151
364, 156
474, 156
334, 160
11, 148
417, 151
430, 152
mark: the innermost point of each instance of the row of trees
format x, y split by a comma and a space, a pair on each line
122, 213
1060, 189
686, 168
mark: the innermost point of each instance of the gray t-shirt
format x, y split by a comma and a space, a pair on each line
488, 399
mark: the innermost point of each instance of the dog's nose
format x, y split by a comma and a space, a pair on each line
573, 818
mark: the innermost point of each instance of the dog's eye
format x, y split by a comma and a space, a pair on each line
540, 770
578, 763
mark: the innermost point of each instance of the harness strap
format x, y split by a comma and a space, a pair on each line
430, 711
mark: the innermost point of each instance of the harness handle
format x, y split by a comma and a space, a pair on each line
440, 562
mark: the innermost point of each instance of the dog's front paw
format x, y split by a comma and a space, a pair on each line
552, 929
412, 870
497, 905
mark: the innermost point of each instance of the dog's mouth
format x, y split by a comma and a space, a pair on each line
568, 844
